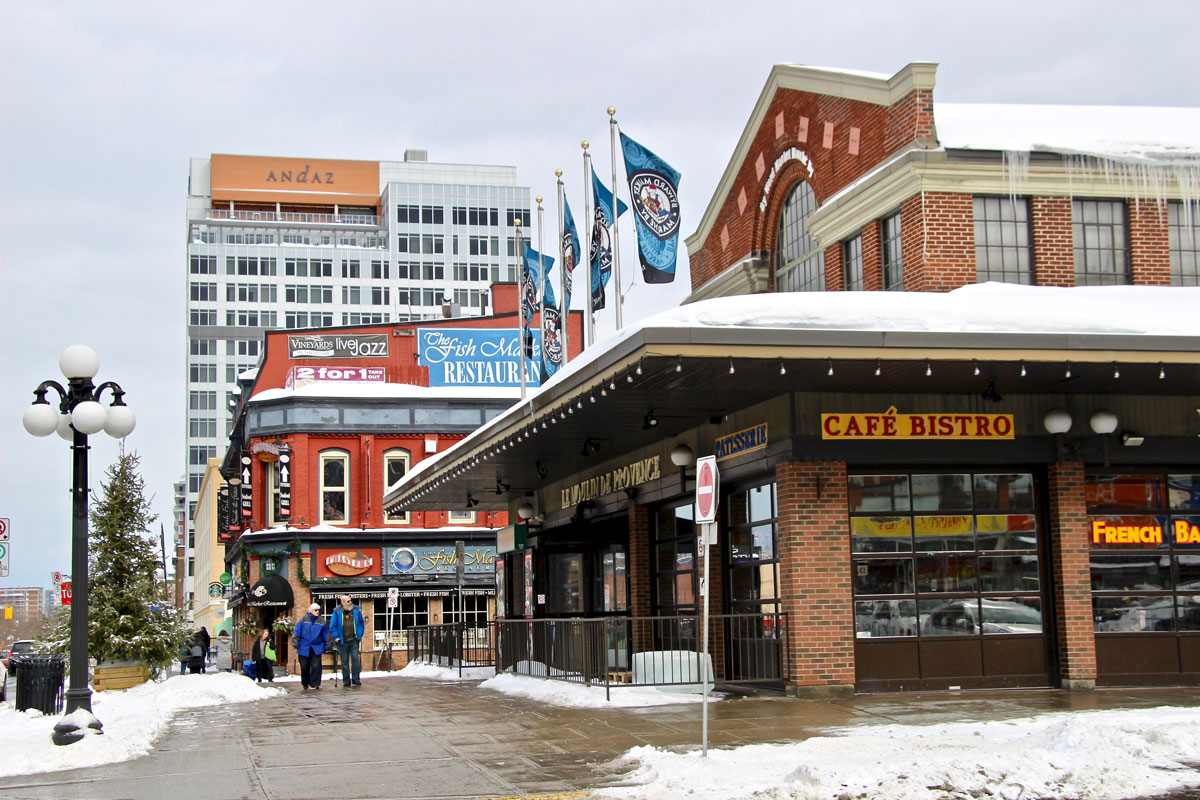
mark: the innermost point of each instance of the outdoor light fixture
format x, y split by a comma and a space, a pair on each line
1116, 370
1068, 373
612, 384
1132, 439
989, 393
1103, 422
590, 446
541, 469
1162, 371
649, 421
975, 361
679, 363
471, 501
928, 368
731, 369
782, 368
1057, 420
629, 377
682, 456
80, 414
879, 367
501, 486
1023, 373
525, 510
638, 371
830, 372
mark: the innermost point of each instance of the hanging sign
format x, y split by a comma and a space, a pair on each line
285, 486
472, 356
893, 425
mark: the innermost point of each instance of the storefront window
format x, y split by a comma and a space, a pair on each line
1145, 552
927, 564
565, 579
753, 564
675, 561
611, 580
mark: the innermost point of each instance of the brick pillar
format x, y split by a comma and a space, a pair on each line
1072, 577
814, 576
1149, 244
1053, 245
640, 569
872, 259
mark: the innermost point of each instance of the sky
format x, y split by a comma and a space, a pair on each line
1101, 755
102, 105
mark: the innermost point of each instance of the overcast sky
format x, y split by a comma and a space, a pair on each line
102, 104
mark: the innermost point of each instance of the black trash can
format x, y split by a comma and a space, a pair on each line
40, 682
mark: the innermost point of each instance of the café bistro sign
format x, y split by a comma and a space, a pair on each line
639, 472
893, 425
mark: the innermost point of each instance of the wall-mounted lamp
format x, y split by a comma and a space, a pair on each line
472, 501
590, 446
525, 510
501, 486
649, 421
1103, 422
989, 393
541, 469
1057, 420
682, 457
1132, 439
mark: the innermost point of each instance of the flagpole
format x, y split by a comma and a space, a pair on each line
541, 296
616, 213
589, 318
521, 307
565, 310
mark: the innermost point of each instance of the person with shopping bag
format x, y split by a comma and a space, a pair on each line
262, 655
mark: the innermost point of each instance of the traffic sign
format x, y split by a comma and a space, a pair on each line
393, 597
3, 559
706, 489
56, 577
64, 593
3, 529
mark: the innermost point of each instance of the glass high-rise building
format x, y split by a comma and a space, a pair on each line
278, 242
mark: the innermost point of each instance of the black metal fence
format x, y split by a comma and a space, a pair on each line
615, 651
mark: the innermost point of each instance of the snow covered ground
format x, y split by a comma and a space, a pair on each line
1098, 755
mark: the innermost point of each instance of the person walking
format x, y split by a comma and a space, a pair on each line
196, 659
262, 655
346, 628
308, 638
224, 649
206, 642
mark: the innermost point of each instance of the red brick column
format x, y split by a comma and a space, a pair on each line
640, 569
1072, 577
814, 576
1053, 245
1149, 244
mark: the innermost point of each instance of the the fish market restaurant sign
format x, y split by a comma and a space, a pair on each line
474, 356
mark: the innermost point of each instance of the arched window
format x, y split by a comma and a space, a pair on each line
395, 467
335, 486
799, 263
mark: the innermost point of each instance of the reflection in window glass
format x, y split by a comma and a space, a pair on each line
1004, 492
1123, 492
941, 492
1188, 567
883, 576
1008, 574
1011, 614
1142, 572
1184, 491
334, 486
881, 534
376, 416
1132, 614
878, 619
755, 583
1188, 612
1006, 531
946, 574
949, 617
675, 560
565, 583
878, 492
944, 532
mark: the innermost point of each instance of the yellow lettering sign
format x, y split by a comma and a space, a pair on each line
893, 425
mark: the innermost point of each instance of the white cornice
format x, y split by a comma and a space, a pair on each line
747, 276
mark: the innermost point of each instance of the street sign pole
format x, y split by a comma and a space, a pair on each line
707, 494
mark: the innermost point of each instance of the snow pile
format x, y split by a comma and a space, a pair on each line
133, 719
577, 695
416, 669
1101, 755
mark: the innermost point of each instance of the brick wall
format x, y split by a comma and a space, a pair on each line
1150, 254
1072, 569
941, 254
1053, 246
814, 567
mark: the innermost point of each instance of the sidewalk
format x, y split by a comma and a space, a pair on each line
416, 738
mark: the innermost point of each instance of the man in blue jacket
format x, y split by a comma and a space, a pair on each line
309, 636
346, 627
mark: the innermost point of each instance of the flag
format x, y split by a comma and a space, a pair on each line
600, 251
552, 349
532, 277
570, 250
654, 192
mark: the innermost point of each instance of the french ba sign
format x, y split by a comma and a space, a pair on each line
474, 356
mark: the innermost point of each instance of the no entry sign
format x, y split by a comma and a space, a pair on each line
706, 489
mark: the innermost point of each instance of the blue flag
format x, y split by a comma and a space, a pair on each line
654, 191
570, 249
536, 272
600, 251
552, 349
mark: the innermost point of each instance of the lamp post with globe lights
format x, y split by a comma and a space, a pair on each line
79, 414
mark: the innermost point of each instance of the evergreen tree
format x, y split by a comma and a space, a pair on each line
128, 618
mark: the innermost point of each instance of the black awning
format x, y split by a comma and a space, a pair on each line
271, 591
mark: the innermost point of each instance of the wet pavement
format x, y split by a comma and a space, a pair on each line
422, 739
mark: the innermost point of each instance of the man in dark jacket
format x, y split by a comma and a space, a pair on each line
310, 635
346, 628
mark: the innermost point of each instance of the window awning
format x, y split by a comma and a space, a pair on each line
271, 591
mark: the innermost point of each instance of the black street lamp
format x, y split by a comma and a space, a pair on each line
78, 415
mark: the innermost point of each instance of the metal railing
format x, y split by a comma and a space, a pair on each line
293, 217
616, 651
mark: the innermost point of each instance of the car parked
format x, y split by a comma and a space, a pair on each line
19, 647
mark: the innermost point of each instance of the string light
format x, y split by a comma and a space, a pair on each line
639, 368
1068, 370
928, 368
679, 363
1116, 370
830, 372
975, 361
878, 367
731, 369
1022, 369
1162, 371
782, 368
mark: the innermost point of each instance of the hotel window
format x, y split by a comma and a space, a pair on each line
395, 466
1183, 233
203, 316
335, 486
204, 265
852, 264
200, 427
203, 347
1144, 532
350, 269
380, 296
199, 456
1099, 233
891, 253
799, 263
937, 554
204, 292
351, 295
202, 401
379, 270
202, 373
1002, 242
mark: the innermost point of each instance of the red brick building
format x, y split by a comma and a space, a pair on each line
952, 486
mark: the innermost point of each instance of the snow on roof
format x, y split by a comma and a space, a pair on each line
248, 375
981, 307
1156, 134
883, 76
391, 390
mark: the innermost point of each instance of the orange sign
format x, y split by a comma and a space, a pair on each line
892, 425
344, 563
294, 180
